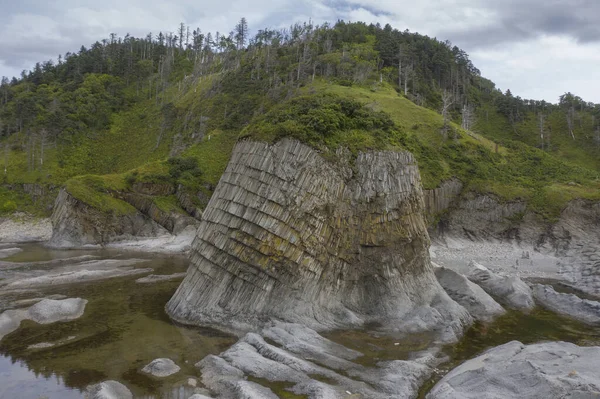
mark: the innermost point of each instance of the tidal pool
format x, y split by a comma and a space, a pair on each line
124, 327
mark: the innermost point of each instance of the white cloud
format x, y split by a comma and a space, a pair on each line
536, 54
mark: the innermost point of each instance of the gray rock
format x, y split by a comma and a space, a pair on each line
161, 367
468, 294
157, 278
511, 291
6, 252
298, 361
44, 312
290, 235
540, 371
77, 224
86, 271
199, 396
50, 311
108, 390
569, 305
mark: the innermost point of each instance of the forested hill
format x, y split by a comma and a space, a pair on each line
126, 102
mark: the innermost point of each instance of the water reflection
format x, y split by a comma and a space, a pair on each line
124, 328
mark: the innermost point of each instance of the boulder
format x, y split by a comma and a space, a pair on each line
44, 312
108, 390
513, 370
509, 290
161, 367
468, 294
569, 305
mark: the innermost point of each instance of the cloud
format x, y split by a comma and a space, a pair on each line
513, 42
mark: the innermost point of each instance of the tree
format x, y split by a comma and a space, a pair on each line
468, 117
241, 33
447, 101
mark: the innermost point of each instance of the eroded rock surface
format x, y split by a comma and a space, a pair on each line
311, 365
161, 367
44, 312
546, 370
468, 294
76, 224
569, 305
108, 390
157, 278
290, 235
510, 290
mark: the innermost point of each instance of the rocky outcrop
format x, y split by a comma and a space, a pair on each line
76, 224
468, 294
441, 198
514, 370
569, 305
46, 311
311, 366
173, 222
479, 217
290, 235
510, 290
161, 367
108, 390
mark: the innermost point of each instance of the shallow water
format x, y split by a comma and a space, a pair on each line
124, 327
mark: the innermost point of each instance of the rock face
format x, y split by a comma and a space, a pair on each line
290, 235
76, 224
312, 366
468, 294
161, 368
441, 198
569, 305
513, 370
512, 291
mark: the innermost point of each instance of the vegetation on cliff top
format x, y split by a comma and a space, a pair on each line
125, 106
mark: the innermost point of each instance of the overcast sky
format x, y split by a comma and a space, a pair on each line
537, 48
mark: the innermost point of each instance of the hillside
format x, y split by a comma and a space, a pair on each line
129, 112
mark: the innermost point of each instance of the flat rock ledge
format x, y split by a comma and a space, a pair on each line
108, 390
513, 370
158, 278
569, 305
161, 368
44, 312
311, 365
468, 294
509, 290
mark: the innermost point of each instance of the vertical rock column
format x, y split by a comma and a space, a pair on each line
290, 235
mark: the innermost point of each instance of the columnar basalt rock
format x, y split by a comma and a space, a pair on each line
290, 235
75, 224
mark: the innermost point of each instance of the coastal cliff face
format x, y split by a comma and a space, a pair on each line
290, 235
76, 224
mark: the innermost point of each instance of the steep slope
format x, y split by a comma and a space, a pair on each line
327, 244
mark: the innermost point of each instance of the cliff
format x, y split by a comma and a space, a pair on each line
74, 224
290, 235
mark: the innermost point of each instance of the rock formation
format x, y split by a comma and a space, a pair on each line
514, 370
569, 305
510, 290
311, 366
328, 244
75, 224
468, 294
